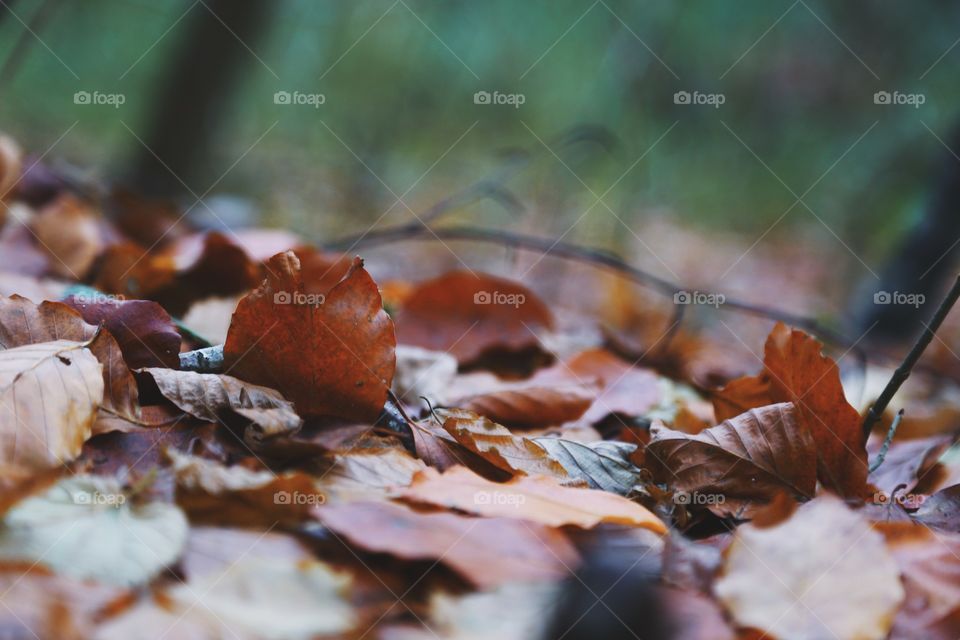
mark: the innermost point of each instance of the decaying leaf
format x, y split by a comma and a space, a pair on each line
246, 585
466, 314
495, 444
38, 604
930, 565
822, 573
332, 356
740, 464
144, 331
941, 510
24, 323
532, 407
208, 396
72, 232
604, 464
49, 395
796, 371
487, 552
625, 390
85, 527
538, 499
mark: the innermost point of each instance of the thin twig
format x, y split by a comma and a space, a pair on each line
903, 371
886, 442
600, 258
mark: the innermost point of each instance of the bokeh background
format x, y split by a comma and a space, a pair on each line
798, 119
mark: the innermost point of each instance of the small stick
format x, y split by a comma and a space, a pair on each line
903, 371
886, 442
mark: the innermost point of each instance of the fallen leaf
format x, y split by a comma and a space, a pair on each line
930, 566
145, 333
941, 510
796, 371
423, 373
537, 499
24, 323
738, 465
822, 573
368, 474
333, 359
907, 462
211, 493
49, 395
85, 527
604, 464
208, 396
487, 552
532, 407
38, 604
625, 390
466, 314
495, 444
73, 233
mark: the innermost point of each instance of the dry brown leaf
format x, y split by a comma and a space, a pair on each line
532, 406
466, 314
495, 444
208, 396
538, 499
796, 371
930, 565
72, 232
213, 494
625, 390
822, 573
38, 604
23, 323
487, 552
334, 358
49, 396
145, 333
738, 465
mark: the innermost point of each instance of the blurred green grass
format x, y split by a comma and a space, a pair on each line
399, 79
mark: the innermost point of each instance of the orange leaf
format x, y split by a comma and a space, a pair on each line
486, 551
535, 498
467, 314
332, 357
796, 371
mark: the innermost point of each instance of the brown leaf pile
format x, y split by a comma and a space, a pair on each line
462, 466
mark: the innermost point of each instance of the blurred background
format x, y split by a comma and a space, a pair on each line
756, 123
